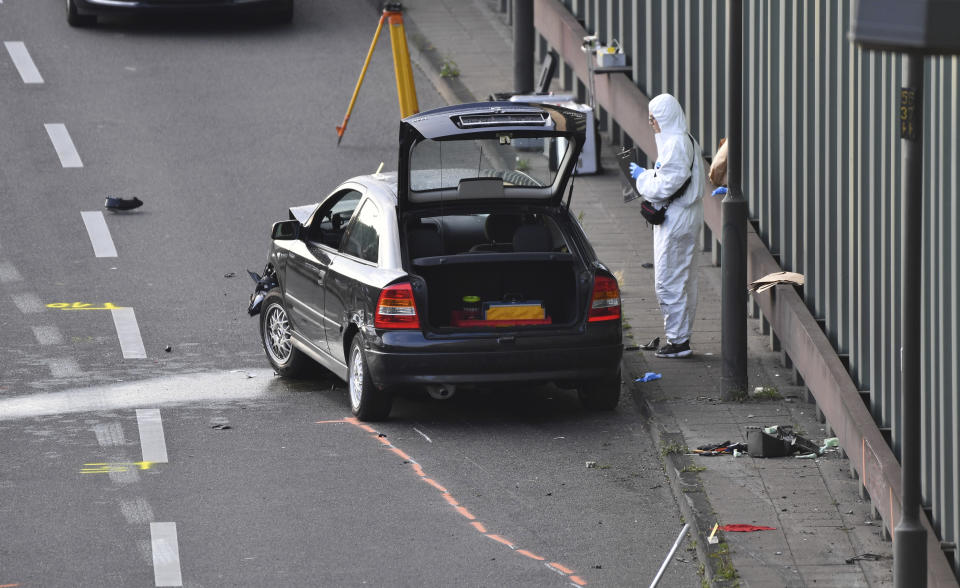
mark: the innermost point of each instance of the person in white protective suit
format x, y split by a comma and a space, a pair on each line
675, 240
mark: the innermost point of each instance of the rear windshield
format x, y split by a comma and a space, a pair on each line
519, 162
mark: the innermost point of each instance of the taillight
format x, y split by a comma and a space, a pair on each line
605, 305
396, 308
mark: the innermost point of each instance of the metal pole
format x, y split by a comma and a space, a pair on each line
910, 538
523, 37
733, 253
666, 562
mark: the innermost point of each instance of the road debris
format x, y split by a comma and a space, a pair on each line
122, 204
866, 557
740, 528
652, 345
725, 448
649, 377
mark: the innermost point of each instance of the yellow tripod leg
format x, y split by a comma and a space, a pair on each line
406, 91
363, 72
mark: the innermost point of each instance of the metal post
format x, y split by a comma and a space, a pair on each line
523, 45
733, 254
910, 538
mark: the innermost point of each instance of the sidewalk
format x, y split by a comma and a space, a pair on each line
821, 522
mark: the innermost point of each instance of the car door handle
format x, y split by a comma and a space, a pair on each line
507, 340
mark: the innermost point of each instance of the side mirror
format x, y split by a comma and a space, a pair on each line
287, 230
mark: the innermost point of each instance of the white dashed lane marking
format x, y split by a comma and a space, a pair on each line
166, 554
99, 234
152, 442
131, 344
64, 367
8, 273
27, 303
62, 142
24, 63
47, 335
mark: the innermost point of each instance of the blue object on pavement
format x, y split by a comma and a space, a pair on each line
635, 170
649, 376
720, 191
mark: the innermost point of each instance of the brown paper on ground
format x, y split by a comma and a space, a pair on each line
770, 280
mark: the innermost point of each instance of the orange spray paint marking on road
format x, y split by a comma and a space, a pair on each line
418, 469
466, 513
530, 555
500, 539
9, 585
479, 527
434, 484
401, 454
560, 568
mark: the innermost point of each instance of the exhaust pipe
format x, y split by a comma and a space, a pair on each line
441, 391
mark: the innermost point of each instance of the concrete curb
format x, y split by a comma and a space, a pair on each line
685, 482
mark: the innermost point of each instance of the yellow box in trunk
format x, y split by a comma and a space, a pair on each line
500, 312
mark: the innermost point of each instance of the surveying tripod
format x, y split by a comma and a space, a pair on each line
406, 91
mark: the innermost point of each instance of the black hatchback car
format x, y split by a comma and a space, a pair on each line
463, 267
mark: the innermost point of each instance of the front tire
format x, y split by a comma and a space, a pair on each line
366, 401
601, 394
75, 19
275, 334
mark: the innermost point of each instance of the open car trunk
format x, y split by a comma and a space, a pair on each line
502, 290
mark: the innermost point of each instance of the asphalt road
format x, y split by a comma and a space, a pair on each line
128, 465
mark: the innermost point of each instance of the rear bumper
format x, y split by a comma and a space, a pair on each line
412, 359
108, 7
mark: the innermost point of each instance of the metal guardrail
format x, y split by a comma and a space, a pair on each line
821, 172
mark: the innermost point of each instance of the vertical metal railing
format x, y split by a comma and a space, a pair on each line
822, 176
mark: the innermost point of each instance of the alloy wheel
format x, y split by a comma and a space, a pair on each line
277, 334
356, 377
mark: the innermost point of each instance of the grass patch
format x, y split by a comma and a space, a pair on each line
766, 393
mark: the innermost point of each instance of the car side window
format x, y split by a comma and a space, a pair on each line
363, 237
331, 220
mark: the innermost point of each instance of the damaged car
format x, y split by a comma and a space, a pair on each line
464, 267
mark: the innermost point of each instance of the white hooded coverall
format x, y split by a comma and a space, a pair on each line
675, 241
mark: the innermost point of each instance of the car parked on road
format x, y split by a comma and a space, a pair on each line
465, 266
84, 13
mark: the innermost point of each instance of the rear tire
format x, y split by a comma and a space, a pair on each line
75, 19
603, 394
275, 331
367, 402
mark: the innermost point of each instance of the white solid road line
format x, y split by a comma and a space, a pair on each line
62, 142
21, 59
152, 442
131, 344
185, 389
99, 234
166, 554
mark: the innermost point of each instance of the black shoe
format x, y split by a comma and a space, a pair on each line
674, 350
114, 203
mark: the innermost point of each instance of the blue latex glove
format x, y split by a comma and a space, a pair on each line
720, 191
648, 377
635, 170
